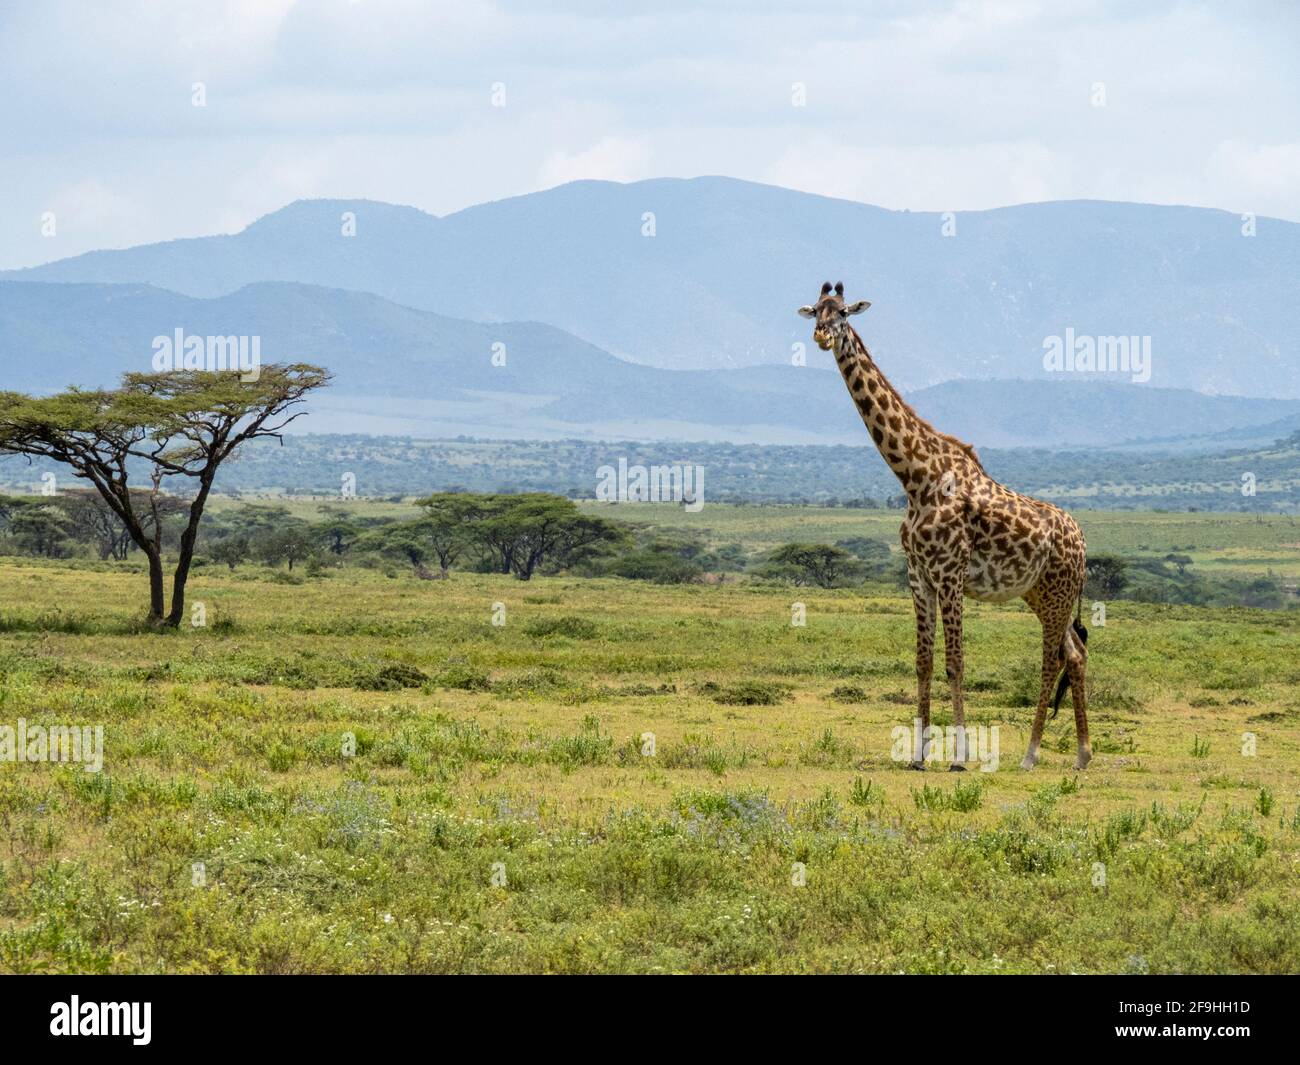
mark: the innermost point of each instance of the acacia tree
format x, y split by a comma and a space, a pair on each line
95, 522
514, 533
291, 542
8, 506
409, 541
231, 551
41, 530
181, 424
1107, 575
444, 527
339, 531
443, 532
525, 531
822, 564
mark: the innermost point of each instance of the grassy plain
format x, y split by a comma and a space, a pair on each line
499, 812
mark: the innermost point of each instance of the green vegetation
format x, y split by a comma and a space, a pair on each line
359, 772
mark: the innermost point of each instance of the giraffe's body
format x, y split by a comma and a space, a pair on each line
965, 534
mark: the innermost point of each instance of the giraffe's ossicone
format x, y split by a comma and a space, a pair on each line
965, 534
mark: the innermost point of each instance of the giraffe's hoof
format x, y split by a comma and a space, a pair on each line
956, 767
918, 766
1082, 761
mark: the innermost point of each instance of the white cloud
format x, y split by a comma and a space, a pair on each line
920, 177
89, 210
947, 104
1246, 174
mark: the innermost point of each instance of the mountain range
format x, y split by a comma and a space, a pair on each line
664, 310
706, 273
409, 372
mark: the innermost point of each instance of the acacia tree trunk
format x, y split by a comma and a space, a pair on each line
151, 548
188, 540
136, 534
524, 571
157, 600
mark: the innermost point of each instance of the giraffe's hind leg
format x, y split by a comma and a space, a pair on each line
1054, 613
1076, 664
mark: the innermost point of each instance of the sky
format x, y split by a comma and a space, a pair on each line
440, 105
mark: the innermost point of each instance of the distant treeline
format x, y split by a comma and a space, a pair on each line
521, 534
536, 533
1263, 481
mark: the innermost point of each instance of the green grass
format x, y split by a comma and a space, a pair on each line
375, 778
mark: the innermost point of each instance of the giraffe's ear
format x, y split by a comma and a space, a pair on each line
807, 311
857, 308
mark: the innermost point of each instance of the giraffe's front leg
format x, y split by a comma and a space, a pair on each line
950, 604
923, 600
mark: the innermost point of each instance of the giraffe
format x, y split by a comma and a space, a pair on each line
965, 535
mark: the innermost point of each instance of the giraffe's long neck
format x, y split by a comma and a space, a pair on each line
903, 440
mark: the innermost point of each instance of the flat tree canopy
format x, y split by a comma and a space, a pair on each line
183, 424
521, 532
820, 564
511, 533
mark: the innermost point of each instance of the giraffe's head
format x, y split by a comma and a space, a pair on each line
831, 315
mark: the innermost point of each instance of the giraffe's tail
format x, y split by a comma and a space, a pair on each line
1063, 685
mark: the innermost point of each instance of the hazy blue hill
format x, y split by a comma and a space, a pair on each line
56, 334
405, 371
718, 283
1070, 412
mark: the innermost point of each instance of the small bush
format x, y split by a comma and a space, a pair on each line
575, 628
864, 794
751, 693
281, 756
588, 747
462, 677
964, 797
390, 678
1264, 801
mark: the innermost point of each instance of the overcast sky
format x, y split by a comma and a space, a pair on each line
939, 106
